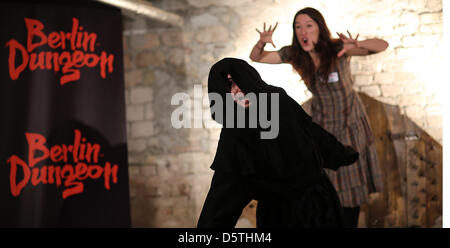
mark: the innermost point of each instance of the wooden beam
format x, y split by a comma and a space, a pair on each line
146, 9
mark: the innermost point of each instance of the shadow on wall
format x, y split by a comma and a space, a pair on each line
411, 161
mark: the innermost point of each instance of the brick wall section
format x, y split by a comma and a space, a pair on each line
169, 168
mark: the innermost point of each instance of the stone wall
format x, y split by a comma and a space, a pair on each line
169, 167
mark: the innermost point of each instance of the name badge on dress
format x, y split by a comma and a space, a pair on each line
333, 77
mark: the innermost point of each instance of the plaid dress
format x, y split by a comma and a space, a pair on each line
337, 108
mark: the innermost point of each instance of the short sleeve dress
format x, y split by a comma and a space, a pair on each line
337, 108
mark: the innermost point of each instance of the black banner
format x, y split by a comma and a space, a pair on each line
63, 155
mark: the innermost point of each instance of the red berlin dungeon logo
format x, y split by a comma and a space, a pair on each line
68, 165
76, 51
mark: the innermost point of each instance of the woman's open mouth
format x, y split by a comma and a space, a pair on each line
305, 41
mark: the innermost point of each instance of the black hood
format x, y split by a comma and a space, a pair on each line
251, 84
284, 114
245, 76
298, 151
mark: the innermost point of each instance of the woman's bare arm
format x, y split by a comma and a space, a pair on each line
353, 47
268, 57
258, 54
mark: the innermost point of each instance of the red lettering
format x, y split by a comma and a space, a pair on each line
83, 150
58, 174
34, 28
55, 61
77, 188
39, 63
63, 40
73, 35
76, 144
89, 38
54, 173
108, 171
70, 175
91, 60
106, 60
78, 59
47, 60
13, 71
81, 171
36, 143
56, 153
14, 186
98, 171
54, 40
79, 39
43, 176
65, 151
74, 74
95, 149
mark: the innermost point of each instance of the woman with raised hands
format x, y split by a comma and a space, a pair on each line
324, 66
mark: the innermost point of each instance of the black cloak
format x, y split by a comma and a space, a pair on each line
285, 174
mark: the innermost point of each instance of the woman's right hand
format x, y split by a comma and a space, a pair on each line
266, 35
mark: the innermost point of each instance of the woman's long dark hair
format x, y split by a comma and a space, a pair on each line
326, 48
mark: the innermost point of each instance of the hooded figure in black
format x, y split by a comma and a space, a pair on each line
284, 173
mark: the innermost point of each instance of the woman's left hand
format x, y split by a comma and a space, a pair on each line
349, 42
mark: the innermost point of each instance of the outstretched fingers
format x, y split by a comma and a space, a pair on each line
349, 34
275, 27
270, 29
342, 36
